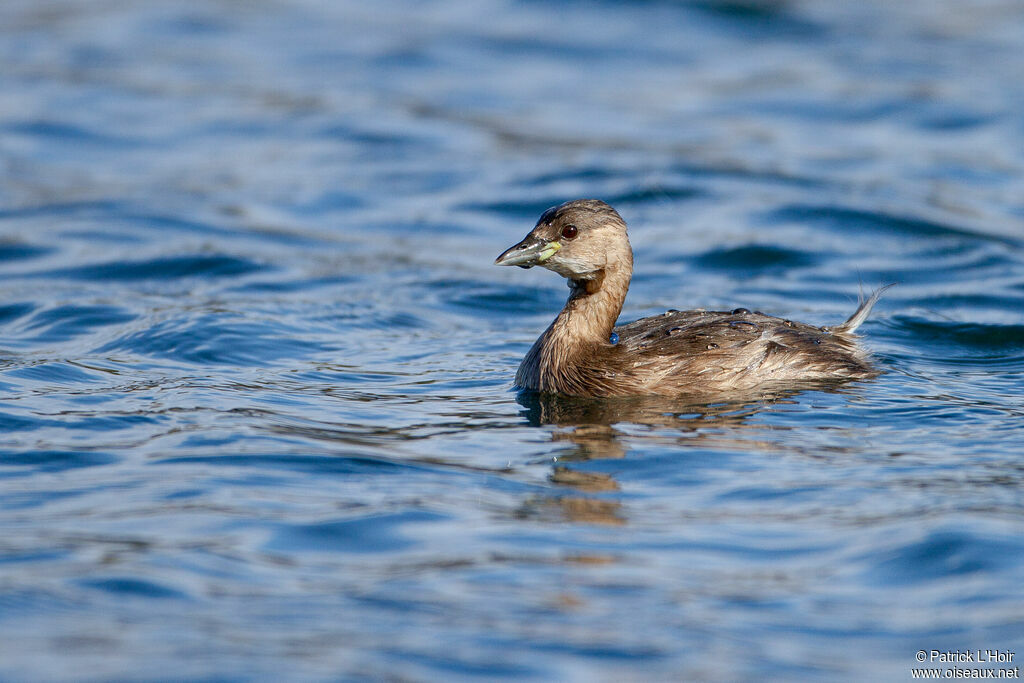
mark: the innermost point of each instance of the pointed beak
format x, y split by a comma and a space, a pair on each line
530, 252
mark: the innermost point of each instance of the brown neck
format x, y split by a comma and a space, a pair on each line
593, 306
554, 361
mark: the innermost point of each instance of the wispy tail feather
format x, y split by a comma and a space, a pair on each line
862, 312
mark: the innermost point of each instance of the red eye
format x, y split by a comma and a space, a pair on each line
569, 231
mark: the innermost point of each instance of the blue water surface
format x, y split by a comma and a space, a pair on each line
256, 363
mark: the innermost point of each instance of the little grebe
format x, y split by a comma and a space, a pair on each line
582, 353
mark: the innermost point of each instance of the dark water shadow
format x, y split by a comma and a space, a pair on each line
685, 412
598, 429
595, 426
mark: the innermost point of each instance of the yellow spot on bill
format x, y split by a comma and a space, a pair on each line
549, 251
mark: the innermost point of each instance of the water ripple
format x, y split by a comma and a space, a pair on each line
62, 323
16, 252
159, 269
371, 534
945, 555
215, 340
756, 258
849, 220
50, 461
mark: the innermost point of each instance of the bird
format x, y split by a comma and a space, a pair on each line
679, 353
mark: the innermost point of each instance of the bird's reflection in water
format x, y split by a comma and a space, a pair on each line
596, 429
